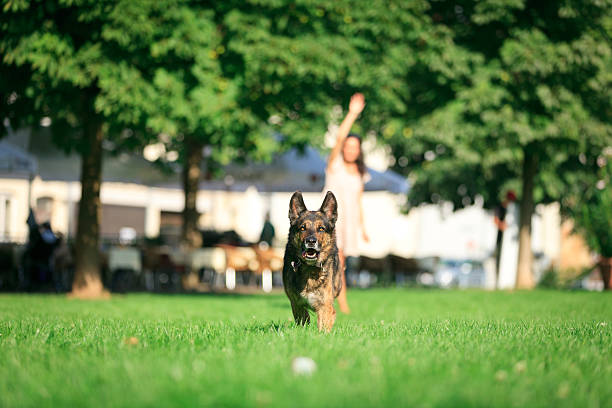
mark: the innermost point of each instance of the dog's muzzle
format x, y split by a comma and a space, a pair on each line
311, 249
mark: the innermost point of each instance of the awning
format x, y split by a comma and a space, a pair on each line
15, 161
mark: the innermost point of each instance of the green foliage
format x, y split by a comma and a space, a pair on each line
300, 59
79, 70
591, 209
191, 95
459, 90
397, 348
554, 278
539, 80
550, 280
282, 66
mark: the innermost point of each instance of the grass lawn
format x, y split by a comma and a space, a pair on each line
398, 348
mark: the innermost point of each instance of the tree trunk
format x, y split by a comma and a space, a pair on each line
192, 172
87, 282
605, 266
524, 275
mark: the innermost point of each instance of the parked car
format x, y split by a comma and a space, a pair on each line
464, 273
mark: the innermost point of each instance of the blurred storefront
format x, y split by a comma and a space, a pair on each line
138, 196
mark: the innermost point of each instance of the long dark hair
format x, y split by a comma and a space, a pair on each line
359, 161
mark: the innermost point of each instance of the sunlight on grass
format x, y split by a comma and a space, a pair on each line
406, 347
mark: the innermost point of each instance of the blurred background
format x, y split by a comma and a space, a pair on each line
155, 145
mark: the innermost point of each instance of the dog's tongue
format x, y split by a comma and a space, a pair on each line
309, 252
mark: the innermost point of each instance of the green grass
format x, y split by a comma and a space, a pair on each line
397, 348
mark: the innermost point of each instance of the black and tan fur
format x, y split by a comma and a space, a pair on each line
312, 282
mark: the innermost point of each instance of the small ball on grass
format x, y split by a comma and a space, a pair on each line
303, 366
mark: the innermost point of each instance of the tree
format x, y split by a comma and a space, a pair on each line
197, 101
262, 67
286, 65
92, 79
532, 115
590, 206
302, 58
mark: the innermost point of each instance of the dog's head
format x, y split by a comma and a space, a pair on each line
312, 232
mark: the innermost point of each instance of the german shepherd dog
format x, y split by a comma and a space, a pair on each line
311, 275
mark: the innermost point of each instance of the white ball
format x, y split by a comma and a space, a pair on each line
303, 366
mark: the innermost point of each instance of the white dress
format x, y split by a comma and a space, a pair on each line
347, 187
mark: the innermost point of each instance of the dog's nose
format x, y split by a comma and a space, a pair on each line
311, 240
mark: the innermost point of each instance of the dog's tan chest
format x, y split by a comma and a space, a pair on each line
314, 292
312, 299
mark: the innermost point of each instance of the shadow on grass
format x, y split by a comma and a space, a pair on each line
277, 327
274, 302
217, 294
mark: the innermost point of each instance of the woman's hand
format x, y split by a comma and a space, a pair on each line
355, 107
357, 103
365, 236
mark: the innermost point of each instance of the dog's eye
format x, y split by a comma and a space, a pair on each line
303, 228
321, 229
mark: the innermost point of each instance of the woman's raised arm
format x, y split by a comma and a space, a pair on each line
355, 107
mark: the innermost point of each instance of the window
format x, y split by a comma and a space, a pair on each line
44, 209
5, 216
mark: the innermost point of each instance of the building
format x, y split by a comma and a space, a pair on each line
137, 196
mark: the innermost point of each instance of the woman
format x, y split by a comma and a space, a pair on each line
345, 176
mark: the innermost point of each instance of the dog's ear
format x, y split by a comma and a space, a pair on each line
296, 206
330, 207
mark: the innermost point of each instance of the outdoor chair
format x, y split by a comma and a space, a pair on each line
211, 260
270, 260
125, 266
239, 259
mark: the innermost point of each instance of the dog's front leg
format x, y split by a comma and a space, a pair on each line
300, 314
326, 316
